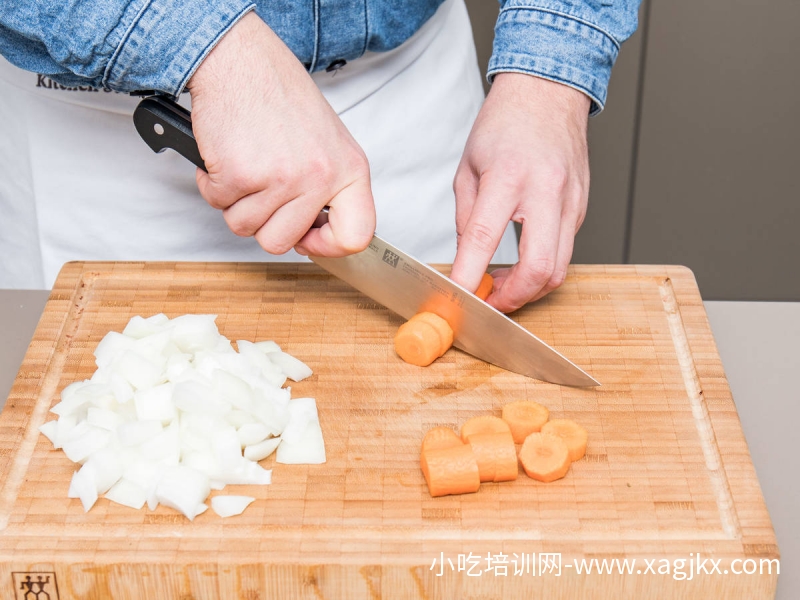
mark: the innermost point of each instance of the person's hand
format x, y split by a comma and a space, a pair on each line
526, 160
275, 151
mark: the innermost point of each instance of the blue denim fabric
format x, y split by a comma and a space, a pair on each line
570, 41
129, 45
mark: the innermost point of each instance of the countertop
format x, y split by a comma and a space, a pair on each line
758, 343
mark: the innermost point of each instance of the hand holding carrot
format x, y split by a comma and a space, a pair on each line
526, 160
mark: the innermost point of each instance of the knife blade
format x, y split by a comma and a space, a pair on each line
395, 279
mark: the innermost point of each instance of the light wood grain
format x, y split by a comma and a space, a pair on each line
667, 473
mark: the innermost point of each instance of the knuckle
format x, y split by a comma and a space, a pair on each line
241, 228
355, 243
214, 194
555, 177
280, 177
274, 246
558, 277
480, 237
538, 272
321, 169
241, 177
216, 200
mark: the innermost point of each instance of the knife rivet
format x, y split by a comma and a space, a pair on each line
158, 128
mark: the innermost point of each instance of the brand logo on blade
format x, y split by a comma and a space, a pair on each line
35, 585
390, 258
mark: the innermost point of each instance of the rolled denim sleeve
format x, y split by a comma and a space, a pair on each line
122, 45
569, 41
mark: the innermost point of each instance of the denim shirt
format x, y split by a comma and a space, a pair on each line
130, 45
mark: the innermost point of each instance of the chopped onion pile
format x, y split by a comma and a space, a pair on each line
173, 411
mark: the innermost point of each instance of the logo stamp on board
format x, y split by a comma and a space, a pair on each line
35, 585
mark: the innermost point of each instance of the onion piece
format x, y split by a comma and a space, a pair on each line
267, 346
228, 506
155, 403
183, 489
193, 333
106, 467
252, 433
78, 448
135, 433
127, 493
104, 418
50, 431
139, 327
302, 411
293, 368
308, 450
261, 450
111, 346
138, 371
83, 486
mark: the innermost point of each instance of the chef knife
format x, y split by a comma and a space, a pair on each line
393, 278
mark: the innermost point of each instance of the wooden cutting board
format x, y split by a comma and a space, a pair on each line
667, 481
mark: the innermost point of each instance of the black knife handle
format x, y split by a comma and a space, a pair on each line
163, 123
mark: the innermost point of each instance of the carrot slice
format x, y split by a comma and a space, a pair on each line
483, 424
441, 326
417, 343
544, 457
483, 447
496, 456
574, 436
440, 437
423, 338
451, 470
507, 466
524, 418
485, 287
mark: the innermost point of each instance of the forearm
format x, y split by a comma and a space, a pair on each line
571, 42
120, 45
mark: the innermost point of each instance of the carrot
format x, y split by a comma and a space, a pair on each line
423, 338
574, 436
524, 417
544, 457
483, 424
440, 437
441, 326
485, 287
496, 456
451, 470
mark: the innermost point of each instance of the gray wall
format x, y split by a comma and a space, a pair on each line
695, 160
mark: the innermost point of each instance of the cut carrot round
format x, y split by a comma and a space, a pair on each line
483, 447
440, 437
524, 418
423, 338
496, 456
485, 287
544, 457
417, 343
451, 470
483, 424
574, 436
441, 326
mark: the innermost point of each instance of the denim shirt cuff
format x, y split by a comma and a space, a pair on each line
162, 42
555, 46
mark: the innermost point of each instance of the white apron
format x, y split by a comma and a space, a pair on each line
77, 182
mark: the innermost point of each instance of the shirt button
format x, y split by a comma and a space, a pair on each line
336, 65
